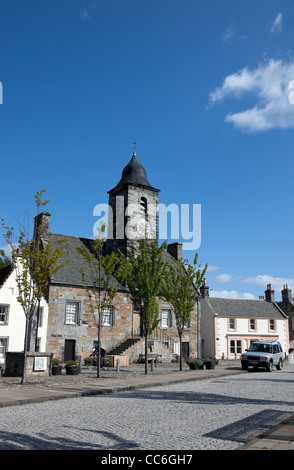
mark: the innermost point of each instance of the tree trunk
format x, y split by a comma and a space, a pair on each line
99, 347
146, 351
25, 347
181, 351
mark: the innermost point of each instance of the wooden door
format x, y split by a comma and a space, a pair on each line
69, 350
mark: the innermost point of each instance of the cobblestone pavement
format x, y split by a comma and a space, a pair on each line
211, 414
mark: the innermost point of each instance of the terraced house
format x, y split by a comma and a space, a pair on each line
230, 325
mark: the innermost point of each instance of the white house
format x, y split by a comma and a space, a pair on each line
12, 317
228, 326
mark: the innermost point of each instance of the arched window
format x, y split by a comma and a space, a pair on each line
143, 206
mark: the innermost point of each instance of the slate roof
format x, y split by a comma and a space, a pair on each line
69, 275
5, 273
133, 173
243, 308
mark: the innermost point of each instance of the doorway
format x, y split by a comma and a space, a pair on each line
69, 350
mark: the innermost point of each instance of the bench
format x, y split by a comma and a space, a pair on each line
150, 356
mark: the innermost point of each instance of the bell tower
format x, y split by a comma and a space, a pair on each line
133, 209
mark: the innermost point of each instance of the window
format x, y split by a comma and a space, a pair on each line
235, 346
272, 325
252, 324
232, 324
143, 206
3, 347
166, 318
107, 316
3, 314
72, 312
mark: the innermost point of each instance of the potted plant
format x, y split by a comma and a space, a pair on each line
56, 367
195, 364
72, 368
209, 363
88, 361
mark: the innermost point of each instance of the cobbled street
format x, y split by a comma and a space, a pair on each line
212, 414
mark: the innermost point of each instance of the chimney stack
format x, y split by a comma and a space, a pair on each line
41, 227
269, 294
175, 250
204, 289
286, 294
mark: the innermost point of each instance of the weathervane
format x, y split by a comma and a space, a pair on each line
135, 146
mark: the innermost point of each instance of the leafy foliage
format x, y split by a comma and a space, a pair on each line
102, 290
34, 262
143, 273
180, 288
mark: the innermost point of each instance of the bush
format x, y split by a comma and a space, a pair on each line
195, 363
72, 364
56, 362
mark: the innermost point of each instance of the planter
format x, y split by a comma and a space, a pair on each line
209, 365
195, 365
72, 370
56, 370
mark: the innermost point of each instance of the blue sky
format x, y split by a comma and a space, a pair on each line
203, 88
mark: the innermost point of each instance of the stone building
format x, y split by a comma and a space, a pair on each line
287, 305
72, 330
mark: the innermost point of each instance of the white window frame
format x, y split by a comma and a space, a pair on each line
107, 316
252, 328
166, 318
3, 314
233, 320
72, 317
274, 324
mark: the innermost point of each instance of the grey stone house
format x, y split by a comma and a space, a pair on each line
72, 330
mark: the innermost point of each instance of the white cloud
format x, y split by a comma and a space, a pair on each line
233, 294
224, 278
263, 280
211, 268
229, 34
269, 84
277, 24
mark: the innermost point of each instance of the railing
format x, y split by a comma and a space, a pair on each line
157, 334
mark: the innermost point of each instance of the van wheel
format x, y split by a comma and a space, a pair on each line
280, 365
270, 366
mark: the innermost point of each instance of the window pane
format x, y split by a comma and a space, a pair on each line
107, 316
232, 346
2, 314
71, 314
165, 318
238, 346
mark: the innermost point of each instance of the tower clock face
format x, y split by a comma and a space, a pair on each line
143, 227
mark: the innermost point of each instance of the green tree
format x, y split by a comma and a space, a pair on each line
34, 262
180, 288
4, 260
101, 269
144, 274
